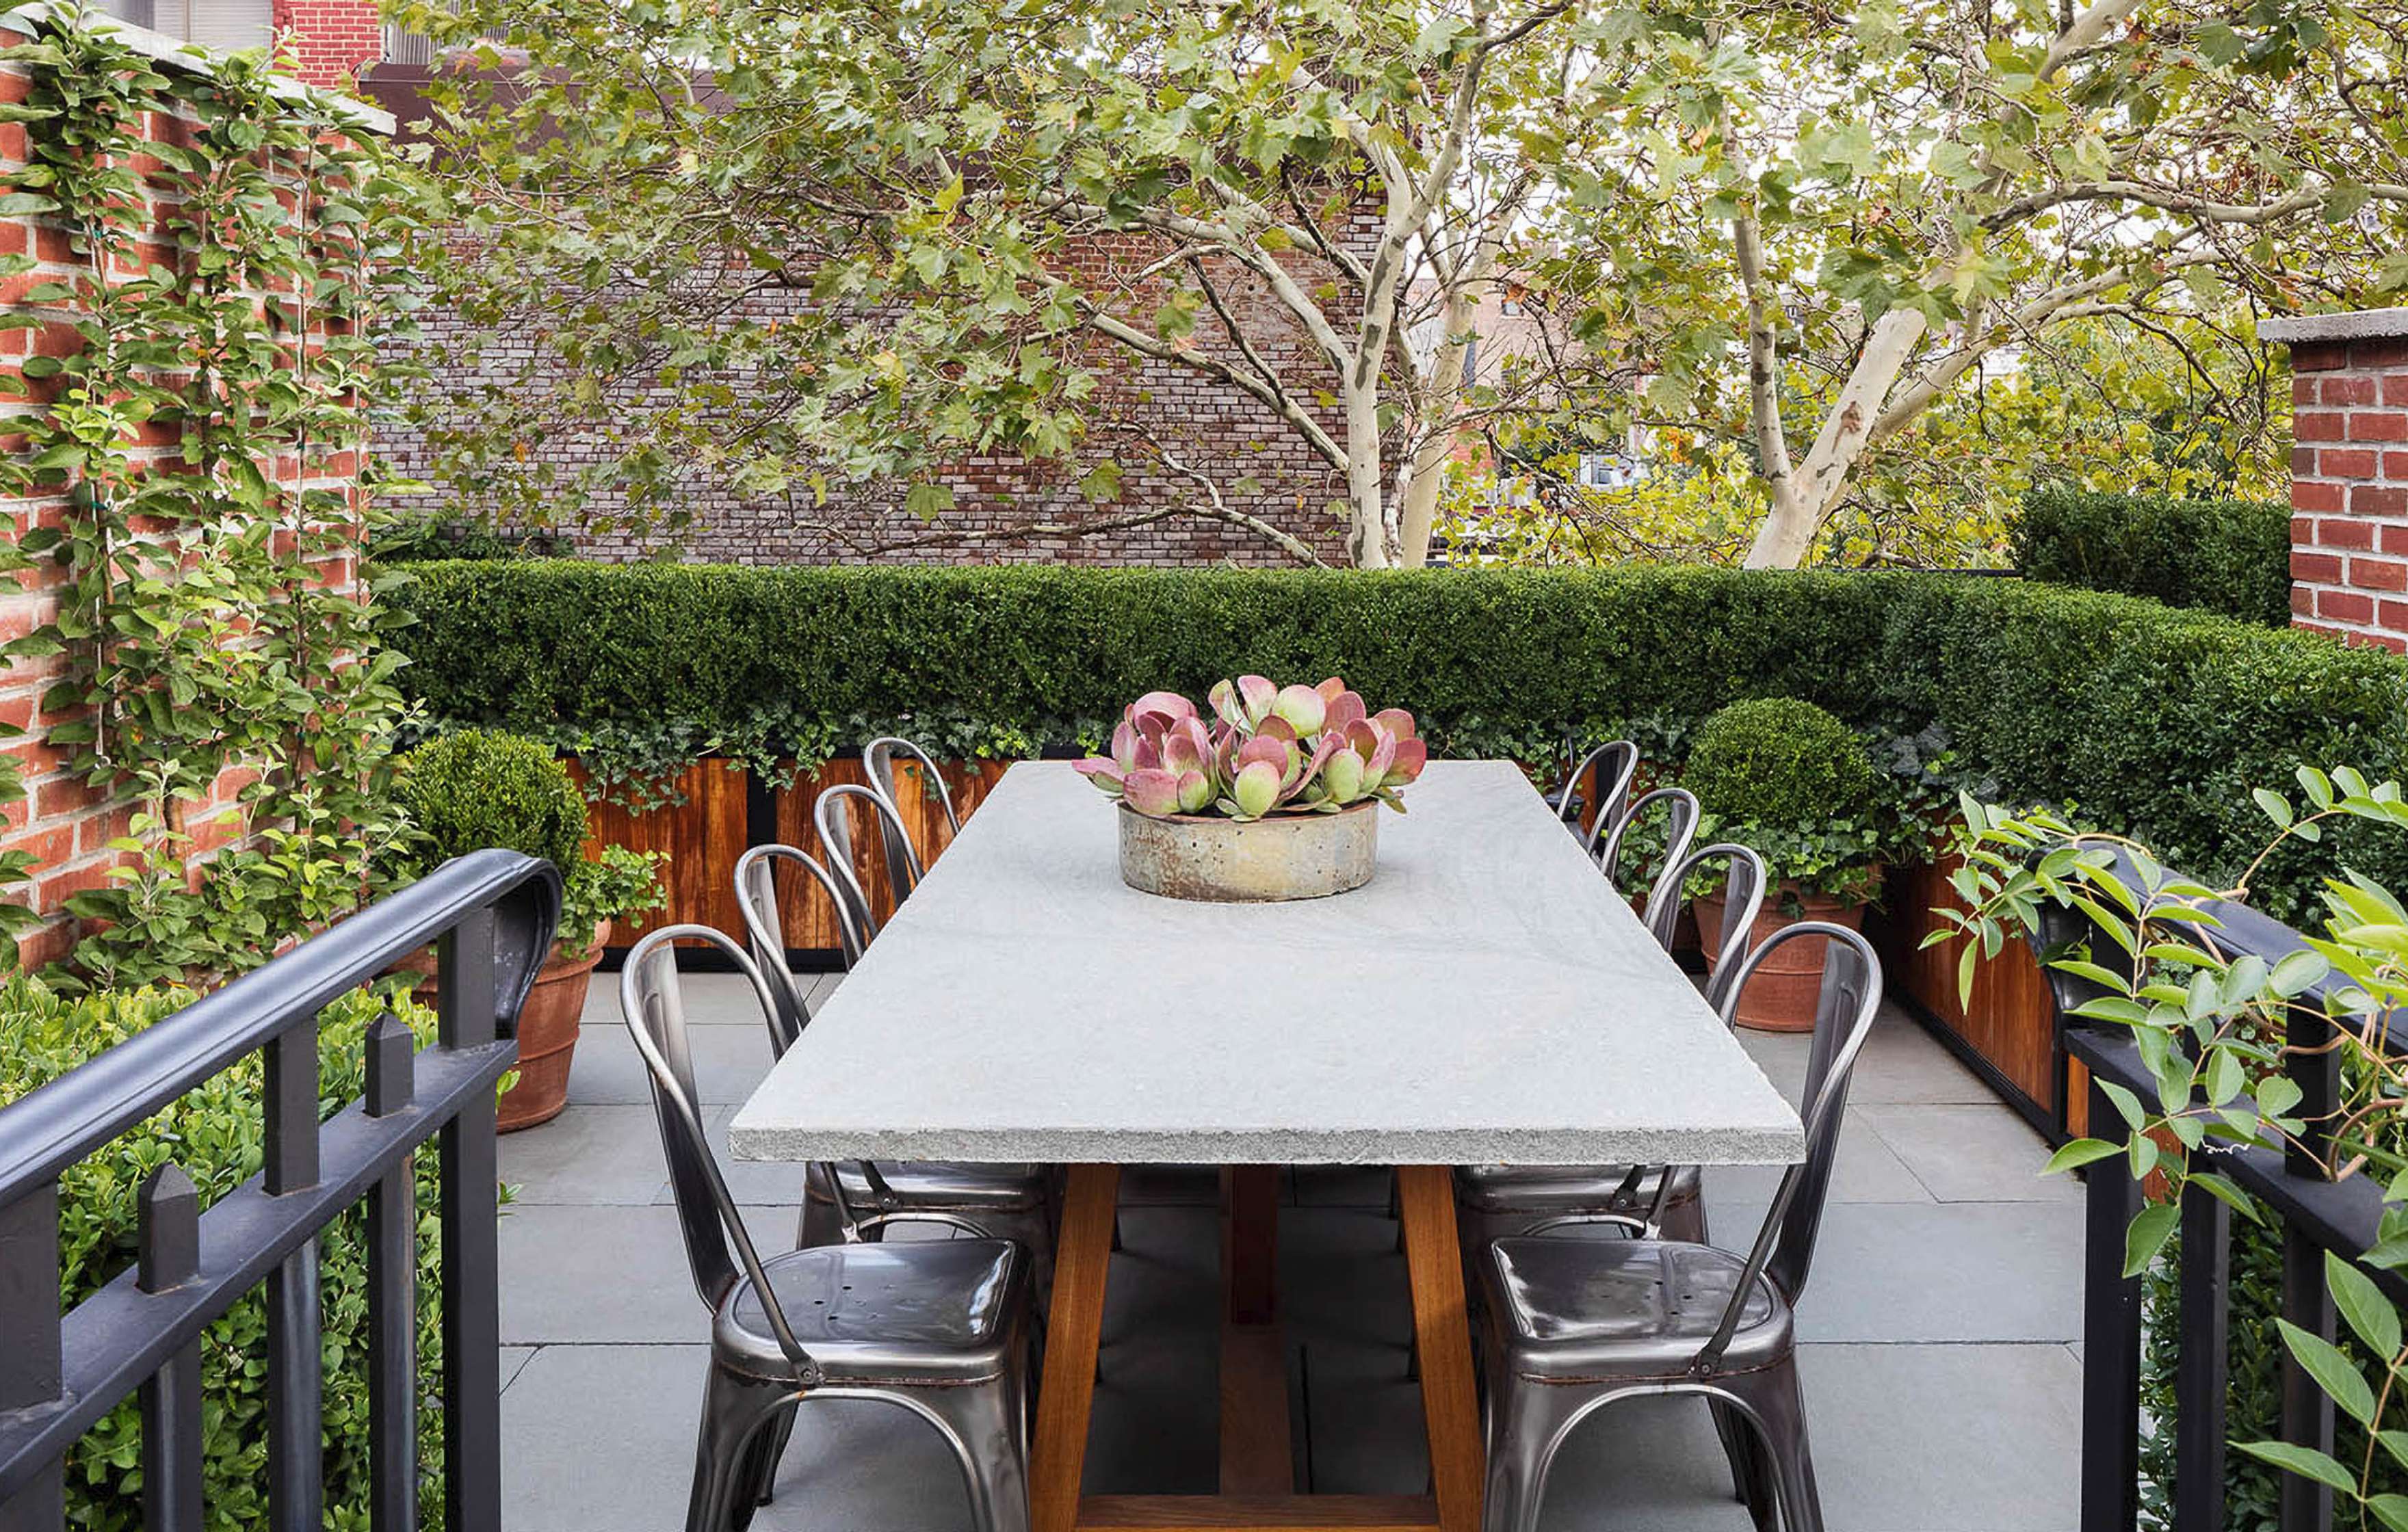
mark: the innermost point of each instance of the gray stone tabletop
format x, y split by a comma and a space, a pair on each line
1486, 998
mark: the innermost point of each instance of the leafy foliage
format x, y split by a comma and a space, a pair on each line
1791, 780
2056, 695
202, 640
481, 788
217, 1134
2233, 556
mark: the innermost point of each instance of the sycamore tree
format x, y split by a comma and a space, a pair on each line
806, 249
1816, 222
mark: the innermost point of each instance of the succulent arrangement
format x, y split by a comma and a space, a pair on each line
1267, 749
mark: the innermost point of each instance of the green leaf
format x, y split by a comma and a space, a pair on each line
2081, 1152
2332, 1370
2151, 1228
2304, 1461
2362, 1304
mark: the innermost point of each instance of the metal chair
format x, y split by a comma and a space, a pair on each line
765, 929
1573, 1325
1497, 1201
934, 1327
1744, 885
877, 760
1615, 763
1680, 828
832, 817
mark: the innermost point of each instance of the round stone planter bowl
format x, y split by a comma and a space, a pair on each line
1228, 861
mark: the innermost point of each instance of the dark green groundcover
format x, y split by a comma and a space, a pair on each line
2153, 720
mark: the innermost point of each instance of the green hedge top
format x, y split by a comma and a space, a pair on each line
2230, 556
2153, 720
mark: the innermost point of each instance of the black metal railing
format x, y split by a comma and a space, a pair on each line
2316, 1215
492, 916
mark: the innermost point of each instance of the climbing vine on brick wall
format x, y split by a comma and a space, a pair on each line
200, 393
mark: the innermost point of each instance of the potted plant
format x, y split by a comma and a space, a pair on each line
1270, 801
1798, 786
481, 788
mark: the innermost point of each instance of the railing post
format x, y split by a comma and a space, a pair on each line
393, 1293
295, 1327
2111, 1343
170, 1219
472, 1325
31, 1366
2307, 1421
2201, 1369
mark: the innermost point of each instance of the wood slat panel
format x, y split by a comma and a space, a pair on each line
810, 919
703, 837
2011, 1020
1262, 1513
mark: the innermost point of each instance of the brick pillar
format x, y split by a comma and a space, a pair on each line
329, 40
2349, 473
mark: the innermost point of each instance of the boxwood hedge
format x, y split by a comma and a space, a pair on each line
2151, 719
2230, 557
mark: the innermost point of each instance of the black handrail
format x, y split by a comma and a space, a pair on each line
491, 917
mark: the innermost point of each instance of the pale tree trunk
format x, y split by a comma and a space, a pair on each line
1366, 527
1425, 473
1801, 500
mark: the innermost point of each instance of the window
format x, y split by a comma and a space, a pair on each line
227, 24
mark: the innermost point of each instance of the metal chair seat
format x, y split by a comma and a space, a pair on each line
1550, 1189
944, 1186
922, 1311
1614, 1310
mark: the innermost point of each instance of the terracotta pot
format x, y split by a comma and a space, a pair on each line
1782, 995
547, 1031
1228, 861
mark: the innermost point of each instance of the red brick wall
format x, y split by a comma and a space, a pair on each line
64, 824
328, 40
2349, 474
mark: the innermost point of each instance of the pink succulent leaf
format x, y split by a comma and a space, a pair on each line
1342, 776
1345, 708
1182, 755
1258, 693
1125, 740
1376, 766
1169, 704
1411, 755
1256, 789
1397, 721
1276, 727
1104, 774
1332, 689
1226, 703
1151, 792
1301, 706
1195, 792
1362, 737
1264, 750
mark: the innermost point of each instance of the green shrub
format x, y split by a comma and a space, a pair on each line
2056, 695
479, 788
2229, 556
1788, 778
216, 1134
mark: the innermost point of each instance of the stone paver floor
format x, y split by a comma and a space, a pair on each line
1941, 1381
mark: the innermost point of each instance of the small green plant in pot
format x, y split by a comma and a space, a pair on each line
1795, 784
479, 788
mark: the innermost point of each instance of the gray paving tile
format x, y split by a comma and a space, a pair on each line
728, 1061
600, 1438
1907, 1439
606, 1273
754, 1184
513, 1359
1971, 1154
1902, 1062
589, 1153
1866, 1170
711, 999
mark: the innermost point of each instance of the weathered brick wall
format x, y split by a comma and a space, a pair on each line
65, 824
328, 40
2349, 473
1260, 465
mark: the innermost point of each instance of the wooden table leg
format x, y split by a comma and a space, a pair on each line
1082, 1257
1450, 1401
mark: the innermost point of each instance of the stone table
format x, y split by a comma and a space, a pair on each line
1486, 998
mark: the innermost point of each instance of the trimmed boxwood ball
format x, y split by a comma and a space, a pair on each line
481, 788
1780, 760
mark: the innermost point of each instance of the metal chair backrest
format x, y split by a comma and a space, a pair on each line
1844, 1020
832, 817
877, 759
717, 1244
765, 931
1680, 829
1744, 889
1616, 763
